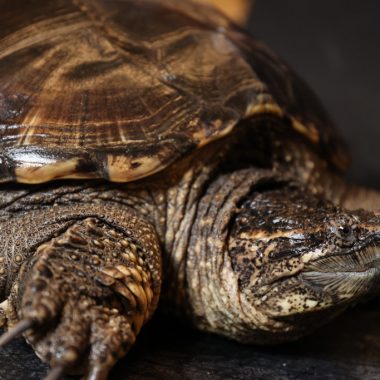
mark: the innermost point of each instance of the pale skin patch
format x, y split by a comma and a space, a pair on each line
293, 304
271, 247
312, 255
266, 236
311, 303
286, 305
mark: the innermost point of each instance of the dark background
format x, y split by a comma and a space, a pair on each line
334, 45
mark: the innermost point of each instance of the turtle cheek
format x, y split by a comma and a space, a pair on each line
292, 297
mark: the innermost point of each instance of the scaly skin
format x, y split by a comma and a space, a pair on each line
257, 254
85, 276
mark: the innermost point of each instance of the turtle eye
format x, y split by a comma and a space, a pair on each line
345, 230
345, 233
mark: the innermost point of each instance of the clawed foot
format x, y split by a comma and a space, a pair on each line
83, 296
76, 334
78, 344
79, 317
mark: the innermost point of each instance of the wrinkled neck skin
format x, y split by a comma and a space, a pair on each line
298, 161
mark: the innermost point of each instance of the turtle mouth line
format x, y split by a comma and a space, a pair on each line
347, 275
361, 260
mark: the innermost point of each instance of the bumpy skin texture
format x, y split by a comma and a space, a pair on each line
86, 276
256, 236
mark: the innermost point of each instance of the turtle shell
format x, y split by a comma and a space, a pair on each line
120, 89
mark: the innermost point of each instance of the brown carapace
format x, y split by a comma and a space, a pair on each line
152, 150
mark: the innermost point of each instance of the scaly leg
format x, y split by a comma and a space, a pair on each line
84, 295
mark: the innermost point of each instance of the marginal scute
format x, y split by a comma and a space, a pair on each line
49, 172
103, 95
122, 168
310, 133
263, 109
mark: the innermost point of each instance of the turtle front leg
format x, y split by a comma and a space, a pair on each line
84, 295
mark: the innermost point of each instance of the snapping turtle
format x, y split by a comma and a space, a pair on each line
152, 149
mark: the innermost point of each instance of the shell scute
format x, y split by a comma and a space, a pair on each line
121, 89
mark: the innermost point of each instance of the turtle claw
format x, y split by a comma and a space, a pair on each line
75, 340
55, 373
85, 338
16, 331
80, 326
97, 373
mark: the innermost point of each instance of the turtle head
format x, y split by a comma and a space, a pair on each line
298, 257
